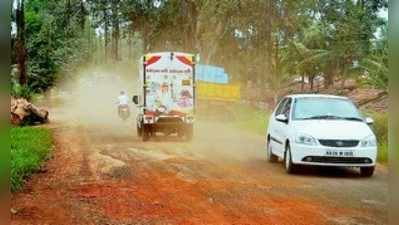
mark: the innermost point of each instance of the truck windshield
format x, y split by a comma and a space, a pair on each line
325, 108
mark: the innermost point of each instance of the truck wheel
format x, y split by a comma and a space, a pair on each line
189, 133
139, 130
181, 133
145, 133
367, 171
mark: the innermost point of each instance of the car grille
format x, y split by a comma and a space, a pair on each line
339, 143
328, 159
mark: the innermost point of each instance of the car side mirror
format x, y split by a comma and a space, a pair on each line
136, 99
369, 121
282, 118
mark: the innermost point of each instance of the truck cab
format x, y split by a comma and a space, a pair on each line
167, 99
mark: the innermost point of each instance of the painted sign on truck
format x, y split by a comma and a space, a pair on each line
167, 99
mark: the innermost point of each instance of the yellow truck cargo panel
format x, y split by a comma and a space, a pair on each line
221, 92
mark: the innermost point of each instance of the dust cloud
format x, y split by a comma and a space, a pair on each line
89, 97
89, 100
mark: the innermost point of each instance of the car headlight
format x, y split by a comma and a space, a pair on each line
305, 139
369, 141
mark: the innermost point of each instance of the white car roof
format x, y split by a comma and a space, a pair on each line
316, 96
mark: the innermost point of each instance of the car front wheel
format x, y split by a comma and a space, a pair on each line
288, 165
367, 171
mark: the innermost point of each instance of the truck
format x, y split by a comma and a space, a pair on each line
167, 100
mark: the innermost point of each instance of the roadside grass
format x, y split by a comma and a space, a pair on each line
383, 152
29, 148
380, 129
250, 118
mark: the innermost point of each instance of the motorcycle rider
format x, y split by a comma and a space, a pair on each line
123, 102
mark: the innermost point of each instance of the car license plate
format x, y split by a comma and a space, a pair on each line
339, 153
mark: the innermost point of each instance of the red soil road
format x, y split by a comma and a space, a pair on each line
106, 176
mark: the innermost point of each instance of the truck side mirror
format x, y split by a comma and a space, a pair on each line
136, 99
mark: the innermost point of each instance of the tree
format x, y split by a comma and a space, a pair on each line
20, 43
115, 4
266, 41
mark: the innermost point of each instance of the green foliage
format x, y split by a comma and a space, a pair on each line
380, 128
340, 36
56, 41
19, 91
383, 152
263, 41
29, 148
376, 64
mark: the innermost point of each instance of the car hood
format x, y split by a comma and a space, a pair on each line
333, 129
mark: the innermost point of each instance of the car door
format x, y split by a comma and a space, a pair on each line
282, 127
274, 128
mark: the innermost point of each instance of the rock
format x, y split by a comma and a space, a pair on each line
13, 211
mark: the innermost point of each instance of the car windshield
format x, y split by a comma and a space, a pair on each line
325, 108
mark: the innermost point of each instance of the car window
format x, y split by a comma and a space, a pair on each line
281, 106
307, 108
287, 108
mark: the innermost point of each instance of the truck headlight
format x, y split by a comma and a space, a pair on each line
162, 109
305, 139
369, 141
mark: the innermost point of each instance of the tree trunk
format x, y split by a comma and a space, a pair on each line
115, 30
269, 46
311, 81
82, 16
189, 17
20, 43
21, 110
213, 45
343, 82
106, 34
68, 13
130, 42
328, 81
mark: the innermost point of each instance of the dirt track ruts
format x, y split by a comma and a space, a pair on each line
106, 175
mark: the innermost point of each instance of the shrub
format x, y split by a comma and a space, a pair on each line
380, 129
19, 91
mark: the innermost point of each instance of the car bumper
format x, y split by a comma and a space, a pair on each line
318, 155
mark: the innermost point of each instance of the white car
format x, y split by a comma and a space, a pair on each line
322, 130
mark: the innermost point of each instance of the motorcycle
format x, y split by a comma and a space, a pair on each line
124, 112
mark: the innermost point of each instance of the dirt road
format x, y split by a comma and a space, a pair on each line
105, 175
